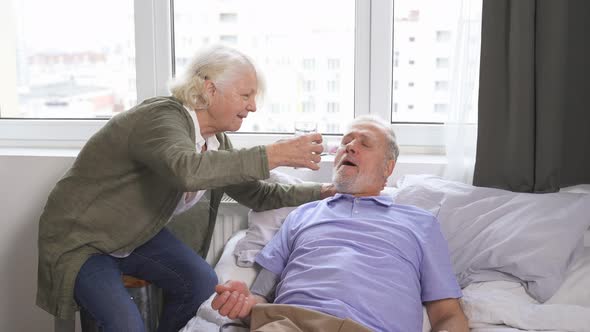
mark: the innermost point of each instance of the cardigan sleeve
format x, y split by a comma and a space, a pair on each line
161, 140
261, 195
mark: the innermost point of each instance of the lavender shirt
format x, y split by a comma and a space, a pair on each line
363, 258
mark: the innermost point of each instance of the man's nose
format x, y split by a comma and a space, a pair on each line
350, 147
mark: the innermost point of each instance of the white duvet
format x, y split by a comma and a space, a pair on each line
497, 306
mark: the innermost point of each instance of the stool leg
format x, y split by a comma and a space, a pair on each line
148, 301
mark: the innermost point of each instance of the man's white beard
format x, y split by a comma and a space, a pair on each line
345, 185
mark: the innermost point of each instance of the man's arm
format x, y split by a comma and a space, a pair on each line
446, 315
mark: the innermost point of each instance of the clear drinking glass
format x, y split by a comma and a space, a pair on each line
305, 127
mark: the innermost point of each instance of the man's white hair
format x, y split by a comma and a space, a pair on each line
393, 148
219, 64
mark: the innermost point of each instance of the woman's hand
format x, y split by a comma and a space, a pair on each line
234, 300
327, 190
301, 151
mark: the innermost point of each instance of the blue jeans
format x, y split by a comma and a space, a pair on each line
185, 278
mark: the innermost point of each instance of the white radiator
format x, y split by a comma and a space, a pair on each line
231, 217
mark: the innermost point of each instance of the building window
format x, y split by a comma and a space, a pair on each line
228, 17
308, 86
441, 86
333, 64
229, 39
309, 64
333, 86
443, 36
332, 107
441, 108
308, 107
442, 63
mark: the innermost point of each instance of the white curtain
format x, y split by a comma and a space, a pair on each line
461, 126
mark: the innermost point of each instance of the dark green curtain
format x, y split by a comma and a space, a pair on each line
534, 97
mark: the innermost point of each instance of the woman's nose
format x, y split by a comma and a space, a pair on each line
251, 107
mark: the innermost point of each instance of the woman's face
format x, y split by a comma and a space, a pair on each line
231, 104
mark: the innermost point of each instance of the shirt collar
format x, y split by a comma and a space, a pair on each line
212, 142
385, 200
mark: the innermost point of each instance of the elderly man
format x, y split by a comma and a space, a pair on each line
353, 262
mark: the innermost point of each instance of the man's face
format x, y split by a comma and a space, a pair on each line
362, 164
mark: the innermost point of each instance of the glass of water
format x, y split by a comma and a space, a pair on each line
305, 127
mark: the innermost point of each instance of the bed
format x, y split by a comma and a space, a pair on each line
522, 260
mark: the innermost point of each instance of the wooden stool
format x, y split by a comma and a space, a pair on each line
145, 295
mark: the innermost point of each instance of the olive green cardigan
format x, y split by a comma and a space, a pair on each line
125, 184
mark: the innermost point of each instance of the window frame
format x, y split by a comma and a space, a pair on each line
155, 56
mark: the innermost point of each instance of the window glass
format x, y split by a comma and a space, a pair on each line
425, 43
305, 52
70, 58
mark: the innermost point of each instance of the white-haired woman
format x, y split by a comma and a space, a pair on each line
107, 215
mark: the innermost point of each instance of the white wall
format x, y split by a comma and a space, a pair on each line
25, 182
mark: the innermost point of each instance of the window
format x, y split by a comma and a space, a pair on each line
84, 76
294, 58
423, 33
67, 66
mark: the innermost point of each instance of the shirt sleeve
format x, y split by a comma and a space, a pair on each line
265, 285
275, 254
437, 278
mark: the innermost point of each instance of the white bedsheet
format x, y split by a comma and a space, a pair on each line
497, 306
494, 303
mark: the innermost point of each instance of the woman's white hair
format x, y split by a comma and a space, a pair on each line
392, 148
219, 64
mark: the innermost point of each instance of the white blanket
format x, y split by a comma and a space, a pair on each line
490, 304
496, 306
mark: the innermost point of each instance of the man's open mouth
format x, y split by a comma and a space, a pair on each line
347, 163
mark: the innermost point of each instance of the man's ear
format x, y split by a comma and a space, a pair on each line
389, 168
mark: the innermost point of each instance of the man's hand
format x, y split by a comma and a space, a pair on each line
235, 300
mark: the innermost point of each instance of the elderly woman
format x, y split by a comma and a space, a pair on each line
107, 215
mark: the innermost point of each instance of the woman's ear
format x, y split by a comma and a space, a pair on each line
210, 88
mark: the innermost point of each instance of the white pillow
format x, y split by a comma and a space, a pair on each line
576, 287
496, 234
263, 225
